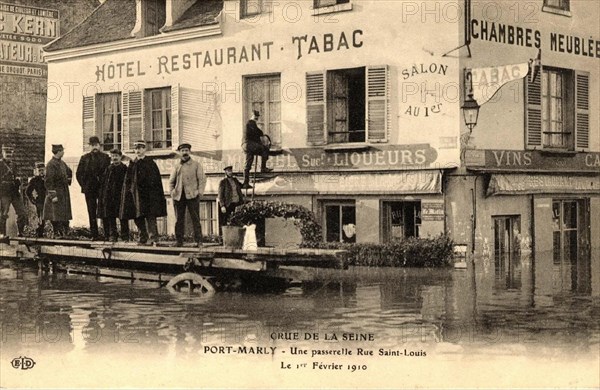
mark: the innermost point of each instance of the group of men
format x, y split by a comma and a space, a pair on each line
114, 190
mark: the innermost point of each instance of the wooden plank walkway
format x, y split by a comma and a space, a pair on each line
210, 257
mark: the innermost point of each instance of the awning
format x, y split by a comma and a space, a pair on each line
408, 182
517, 184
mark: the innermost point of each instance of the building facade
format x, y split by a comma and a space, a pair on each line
530, 175
25, 27
361, 105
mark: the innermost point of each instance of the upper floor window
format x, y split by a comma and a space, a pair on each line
249, 8
558, 4
154, 13
555, 115
328, 6
561, 7
348, 106
109, 126
558, 110
328, 3
159, 113
263, 93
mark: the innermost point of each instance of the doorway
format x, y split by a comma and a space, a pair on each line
507, 249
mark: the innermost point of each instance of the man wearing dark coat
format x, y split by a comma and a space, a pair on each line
143, 197
230, 195
57, 205
109, 200
253, 145
36, 193
9, 192
89, 175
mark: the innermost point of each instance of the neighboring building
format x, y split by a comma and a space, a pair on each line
25, 26
362, 107
530, 178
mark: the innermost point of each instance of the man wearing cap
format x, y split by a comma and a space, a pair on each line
143, 198
36, 193
57, 205
186, 185
230, 195
89, 176
253, 145
109, 200
9, 192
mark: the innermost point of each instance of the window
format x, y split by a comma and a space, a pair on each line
109, 126
154, 16
563, 5
250, 8
565, 222
340, 221
159, 114
263, 93
558, 110
328, 3
346, 105
555, 112
400, 220
209, 217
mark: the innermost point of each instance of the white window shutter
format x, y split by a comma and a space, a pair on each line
88, 120
378, 103
133, 120
175, 112
199, 120
316, 118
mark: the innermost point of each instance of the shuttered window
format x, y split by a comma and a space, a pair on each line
109, 125
348, 106
557, 112
263, 93
160, 127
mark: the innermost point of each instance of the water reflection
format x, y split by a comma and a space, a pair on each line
499, 304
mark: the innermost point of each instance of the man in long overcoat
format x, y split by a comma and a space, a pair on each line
253, 144
36, 193
57, 206
143, 197
109, 200
89, 175
9, 192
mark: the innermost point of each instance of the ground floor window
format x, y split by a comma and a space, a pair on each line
565, 226
340, 221
209, 217
507, 246
401, 219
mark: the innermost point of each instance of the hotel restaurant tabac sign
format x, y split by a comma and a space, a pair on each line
23, 33
531, 160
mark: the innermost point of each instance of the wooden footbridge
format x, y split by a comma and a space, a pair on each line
205, 269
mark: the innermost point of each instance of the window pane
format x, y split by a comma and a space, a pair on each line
157, 120
570, 215
332, 215
156, 100
168, 125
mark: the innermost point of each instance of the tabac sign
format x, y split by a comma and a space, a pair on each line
23, 32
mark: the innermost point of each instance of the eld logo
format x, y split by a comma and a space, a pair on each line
24, 363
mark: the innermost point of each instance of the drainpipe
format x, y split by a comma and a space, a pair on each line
474, 214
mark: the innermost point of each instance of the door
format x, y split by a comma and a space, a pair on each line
507, 248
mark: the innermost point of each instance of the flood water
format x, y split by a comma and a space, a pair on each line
526, 308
